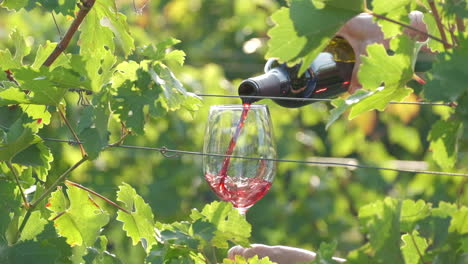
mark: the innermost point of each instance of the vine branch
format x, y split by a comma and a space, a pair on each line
57, 182
409, 27
62, 115
46, 193
98, 195
436, 15
85, 6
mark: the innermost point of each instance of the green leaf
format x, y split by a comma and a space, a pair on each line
152, 86
159, 52
380, 100
43, 52
39, 157
381, 220
459, 223
139, 224
230, 225
48, 87
405, 136
397, 10
22, 48
92, 127
252, 260
98, 254
412, 212
432, 29
65, 7
341, 105
325, 253
14, 4
378, 67
444, 137
102, 25
304, 29
175, 96
10, 202
33, 227
413, 248
444, 210
450, 75
81, 222
20, 136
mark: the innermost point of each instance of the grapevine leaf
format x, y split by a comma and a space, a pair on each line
252, 260
139, 224
179, 233
33, 227
9, 61
20, 136
65, 7
38, 156
92, 127
411, 213
104, 23
444, 137
381, 221
15, 4
341, 105
10, 202
39, 113
230, 225
148, 85
380, 100
450, 75
378, 67
405, 136
13, 95
397, 10
81, 222
48, 87
444, 210
125, 71
175, 96
325, 253
457, 7
24, 252
300, 33
159, 52
98, 70
414, 246
394, 71
98, 253
432, 29
459, 223
43, 52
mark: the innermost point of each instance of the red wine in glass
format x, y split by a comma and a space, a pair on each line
239, 181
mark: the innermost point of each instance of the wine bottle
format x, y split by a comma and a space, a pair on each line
328, 76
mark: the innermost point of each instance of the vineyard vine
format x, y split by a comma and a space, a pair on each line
106, 81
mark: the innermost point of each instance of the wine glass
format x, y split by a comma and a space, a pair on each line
239, 153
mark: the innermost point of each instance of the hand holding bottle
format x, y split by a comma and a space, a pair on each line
333, 72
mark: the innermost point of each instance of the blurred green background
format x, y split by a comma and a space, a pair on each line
225, 42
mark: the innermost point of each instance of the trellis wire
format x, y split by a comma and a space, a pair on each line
451, 104
165, 150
